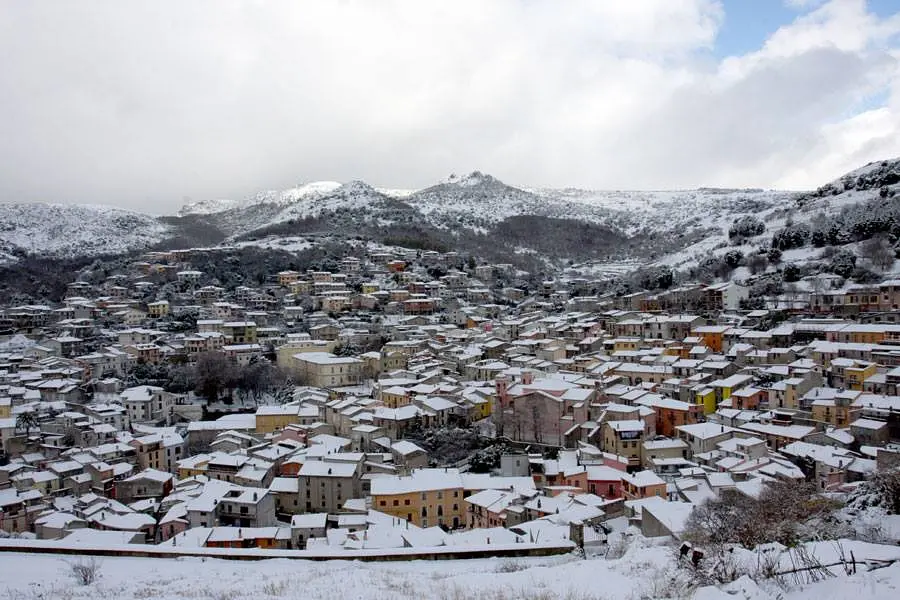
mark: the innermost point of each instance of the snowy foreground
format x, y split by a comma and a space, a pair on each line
645, 571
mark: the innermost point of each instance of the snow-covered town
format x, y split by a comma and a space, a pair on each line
379, 408
411, 299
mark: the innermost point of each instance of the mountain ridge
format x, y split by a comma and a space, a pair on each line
472, 209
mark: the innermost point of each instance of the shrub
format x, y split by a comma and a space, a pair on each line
792, 236
510, 566
85, 571
791, 272
842, 263
733, 258
746, 226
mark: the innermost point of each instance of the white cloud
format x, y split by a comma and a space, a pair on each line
143, 103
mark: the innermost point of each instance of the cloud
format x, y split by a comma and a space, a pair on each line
143, 104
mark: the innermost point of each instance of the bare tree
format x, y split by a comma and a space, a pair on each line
879, 252
785, 512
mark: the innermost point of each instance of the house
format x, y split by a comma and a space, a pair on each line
604, 481
870, 432
408, 456
249, 537
660, 518
159, 309
19, 509
663, 449
240, 332
324, 486
495, 508
226, 504
425, 498
57, 525
323, 369
271, 418
306, 526
625, 438
147, 484
703, 437
147, 404
643, 484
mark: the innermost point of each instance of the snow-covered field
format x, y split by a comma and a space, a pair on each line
645, 571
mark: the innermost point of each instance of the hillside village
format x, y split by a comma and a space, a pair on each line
412, 398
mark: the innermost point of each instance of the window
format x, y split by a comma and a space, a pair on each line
406, 502
396, 502
382, 503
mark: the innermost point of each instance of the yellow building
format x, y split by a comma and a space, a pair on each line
240, 332
479, 407
427, 497
5, 408
855, 376
158, 309
370, 287
192, 466
300, 287
706, 397
395, 397
621, 344
286, 278
275, 418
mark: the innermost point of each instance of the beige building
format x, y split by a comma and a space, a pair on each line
325, 486
323, 369
625, 438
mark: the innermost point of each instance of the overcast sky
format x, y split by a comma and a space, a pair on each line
148, 104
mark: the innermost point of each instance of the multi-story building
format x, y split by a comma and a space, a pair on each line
426, 497
323, 369
324, 486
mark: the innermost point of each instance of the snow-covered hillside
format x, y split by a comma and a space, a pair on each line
851, 202
653, 211
75, 230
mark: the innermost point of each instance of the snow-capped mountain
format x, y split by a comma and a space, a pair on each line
305, 192
269, 209
60, 230
474, 211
